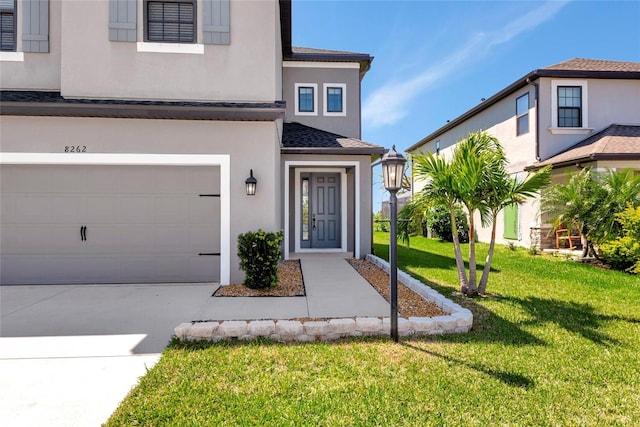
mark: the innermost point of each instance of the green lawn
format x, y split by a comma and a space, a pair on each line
559, 345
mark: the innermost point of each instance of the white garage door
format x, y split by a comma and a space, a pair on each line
109, 224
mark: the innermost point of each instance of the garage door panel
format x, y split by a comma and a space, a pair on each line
171, 180
105, 179
204, 239
29, 208
202, 268
137, 210
137, 238
144, 224
171, 239
204, 180
172, 209
103, 209
70, 179
18, 239
67, 209
203, 209
137, 180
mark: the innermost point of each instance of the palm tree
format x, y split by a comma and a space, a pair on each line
507, 191
440, 188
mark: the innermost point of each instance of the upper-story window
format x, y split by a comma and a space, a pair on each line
569, 106
7, 25
335, 101
170, 21
306, 102
522, 114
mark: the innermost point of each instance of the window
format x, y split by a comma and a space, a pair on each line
170, 21
335, 102
306, 102
522, 114
305, 99
569, 106
7, 25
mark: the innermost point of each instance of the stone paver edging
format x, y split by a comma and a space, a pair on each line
458, 320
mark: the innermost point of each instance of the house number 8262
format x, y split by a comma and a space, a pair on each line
75, 148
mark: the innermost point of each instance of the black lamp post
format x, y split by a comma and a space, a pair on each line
251, 184
392, 173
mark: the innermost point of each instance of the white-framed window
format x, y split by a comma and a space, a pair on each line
306, 99
569, 107
335, 99
522, 114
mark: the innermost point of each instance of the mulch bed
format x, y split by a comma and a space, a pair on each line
410, 304
291, 284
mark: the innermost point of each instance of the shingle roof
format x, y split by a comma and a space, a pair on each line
46, 103
325, 55
616, 142
300, 139
573, 68
312, 50
582, 64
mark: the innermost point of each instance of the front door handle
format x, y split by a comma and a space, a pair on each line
83, 233
313, 221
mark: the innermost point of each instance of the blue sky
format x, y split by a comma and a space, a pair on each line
434, 60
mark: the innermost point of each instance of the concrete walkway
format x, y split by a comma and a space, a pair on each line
333, 289
70, 353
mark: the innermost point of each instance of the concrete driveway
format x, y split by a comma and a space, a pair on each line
70, 353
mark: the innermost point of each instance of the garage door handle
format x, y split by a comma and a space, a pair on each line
83, 233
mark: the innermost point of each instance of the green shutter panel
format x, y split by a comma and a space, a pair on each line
122, 20
511, 222
35, 25
215, 22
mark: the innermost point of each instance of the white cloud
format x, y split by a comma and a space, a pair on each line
391, 102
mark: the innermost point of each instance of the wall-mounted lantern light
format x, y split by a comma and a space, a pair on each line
251, 184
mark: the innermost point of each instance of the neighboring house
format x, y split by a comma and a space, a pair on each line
578, 113
128, 129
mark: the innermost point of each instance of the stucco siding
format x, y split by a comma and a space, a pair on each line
38, 71
608, 102
251, 145
348, 125
364, 165
244, 70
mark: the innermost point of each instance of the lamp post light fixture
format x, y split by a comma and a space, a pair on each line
251, 184
392, 173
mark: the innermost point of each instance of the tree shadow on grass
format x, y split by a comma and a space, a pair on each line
512, 379
578, 318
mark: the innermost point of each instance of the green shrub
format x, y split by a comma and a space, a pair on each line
259, 253
624, 252
380, 224
439, 221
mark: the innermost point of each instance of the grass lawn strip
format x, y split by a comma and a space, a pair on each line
558, 345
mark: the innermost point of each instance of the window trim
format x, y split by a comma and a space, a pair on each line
145, 21
584, 129
14, 12
315, 99
525, 114
326, 87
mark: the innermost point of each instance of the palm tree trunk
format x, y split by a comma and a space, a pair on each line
472, 289
482, 288
462, 274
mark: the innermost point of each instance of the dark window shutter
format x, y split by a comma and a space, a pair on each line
7, 31
216, 22
122, 20
35, 25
